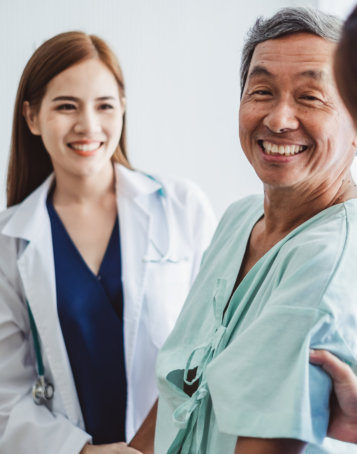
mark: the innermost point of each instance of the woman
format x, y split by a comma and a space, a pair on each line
279, 275
343, 420
96, 259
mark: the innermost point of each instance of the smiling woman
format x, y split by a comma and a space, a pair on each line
96, 260
86, 125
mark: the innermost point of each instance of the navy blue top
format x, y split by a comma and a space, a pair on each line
90, 310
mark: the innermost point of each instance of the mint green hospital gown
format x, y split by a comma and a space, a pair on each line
252, 359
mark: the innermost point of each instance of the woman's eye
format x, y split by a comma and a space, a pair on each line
106, 106
66, 107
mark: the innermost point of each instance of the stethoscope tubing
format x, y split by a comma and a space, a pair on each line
36, 341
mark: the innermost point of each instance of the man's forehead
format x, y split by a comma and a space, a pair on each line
309, 53
319, 75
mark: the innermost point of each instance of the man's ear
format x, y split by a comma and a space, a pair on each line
31, 118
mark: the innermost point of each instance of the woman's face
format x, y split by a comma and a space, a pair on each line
80, 119
294, 128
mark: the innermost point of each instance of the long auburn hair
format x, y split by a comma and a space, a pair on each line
29, 163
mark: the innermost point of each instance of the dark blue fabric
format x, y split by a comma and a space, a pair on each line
90, 310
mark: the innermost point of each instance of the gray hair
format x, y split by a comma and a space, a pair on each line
288, 21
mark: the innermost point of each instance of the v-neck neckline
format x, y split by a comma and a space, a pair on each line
229, 277
77, 252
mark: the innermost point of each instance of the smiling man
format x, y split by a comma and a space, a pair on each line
279, 276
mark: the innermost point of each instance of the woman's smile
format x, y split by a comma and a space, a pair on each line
81, 116
85, 148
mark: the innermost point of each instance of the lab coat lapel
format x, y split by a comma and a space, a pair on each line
36, 266
136, 208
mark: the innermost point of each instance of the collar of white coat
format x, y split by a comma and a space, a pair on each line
24, 223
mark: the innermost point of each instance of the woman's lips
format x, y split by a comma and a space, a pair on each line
85, 148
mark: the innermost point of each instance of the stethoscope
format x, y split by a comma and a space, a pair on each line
169, 256
42, 390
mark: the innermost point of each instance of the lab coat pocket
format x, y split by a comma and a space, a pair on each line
167, 287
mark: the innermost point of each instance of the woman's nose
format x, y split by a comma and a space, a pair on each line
87, 121
281, 118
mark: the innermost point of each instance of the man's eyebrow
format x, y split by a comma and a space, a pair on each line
73, 98
259, 71
317, 75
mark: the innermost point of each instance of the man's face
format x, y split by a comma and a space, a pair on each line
293, 126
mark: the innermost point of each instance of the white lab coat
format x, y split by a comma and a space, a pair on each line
154, 292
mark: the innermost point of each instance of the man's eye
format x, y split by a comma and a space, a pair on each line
66, 107
310, 98
261, 92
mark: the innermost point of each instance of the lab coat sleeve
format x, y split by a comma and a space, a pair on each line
24, 426
262, 385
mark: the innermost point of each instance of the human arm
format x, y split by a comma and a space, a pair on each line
144, 438
247, 445
264, 372
113, 448
22, 423
343, 404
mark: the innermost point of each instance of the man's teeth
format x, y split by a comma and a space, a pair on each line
286, 150
85, 146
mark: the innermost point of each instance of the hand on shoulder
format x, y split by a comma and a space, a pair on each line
343, 411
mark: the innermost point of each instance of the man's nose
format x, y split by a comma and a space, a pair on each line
87, 121
281, 118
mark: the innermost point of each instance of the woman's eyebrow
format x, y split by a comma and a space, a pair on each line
65, 98
73, 98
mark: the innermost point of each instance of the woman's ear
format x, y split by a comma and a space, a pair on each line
123, 103
31, 118
354, 143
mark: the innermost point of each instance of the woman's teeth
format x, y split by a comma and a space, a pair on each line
285, 150
85, 146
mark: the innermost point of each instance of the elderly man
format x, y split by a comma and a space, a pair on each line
278, 278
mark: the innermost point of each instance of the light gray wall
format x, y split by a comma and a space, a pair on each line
181, 63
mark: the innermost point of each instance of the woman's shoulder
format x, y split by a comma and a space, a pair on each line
181, 189
6, 214
182, 192
172, 186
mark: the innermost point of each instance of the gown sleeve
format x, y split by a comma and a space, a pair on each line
262, 385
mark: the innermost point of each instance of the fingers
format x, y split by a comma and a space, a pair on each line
113, 448
337, 369
123, 448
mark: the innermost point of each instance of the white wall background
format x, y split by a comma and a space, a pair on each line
181, 64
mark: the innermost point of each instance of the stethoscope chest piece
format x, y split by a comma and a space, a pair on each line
42, 390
